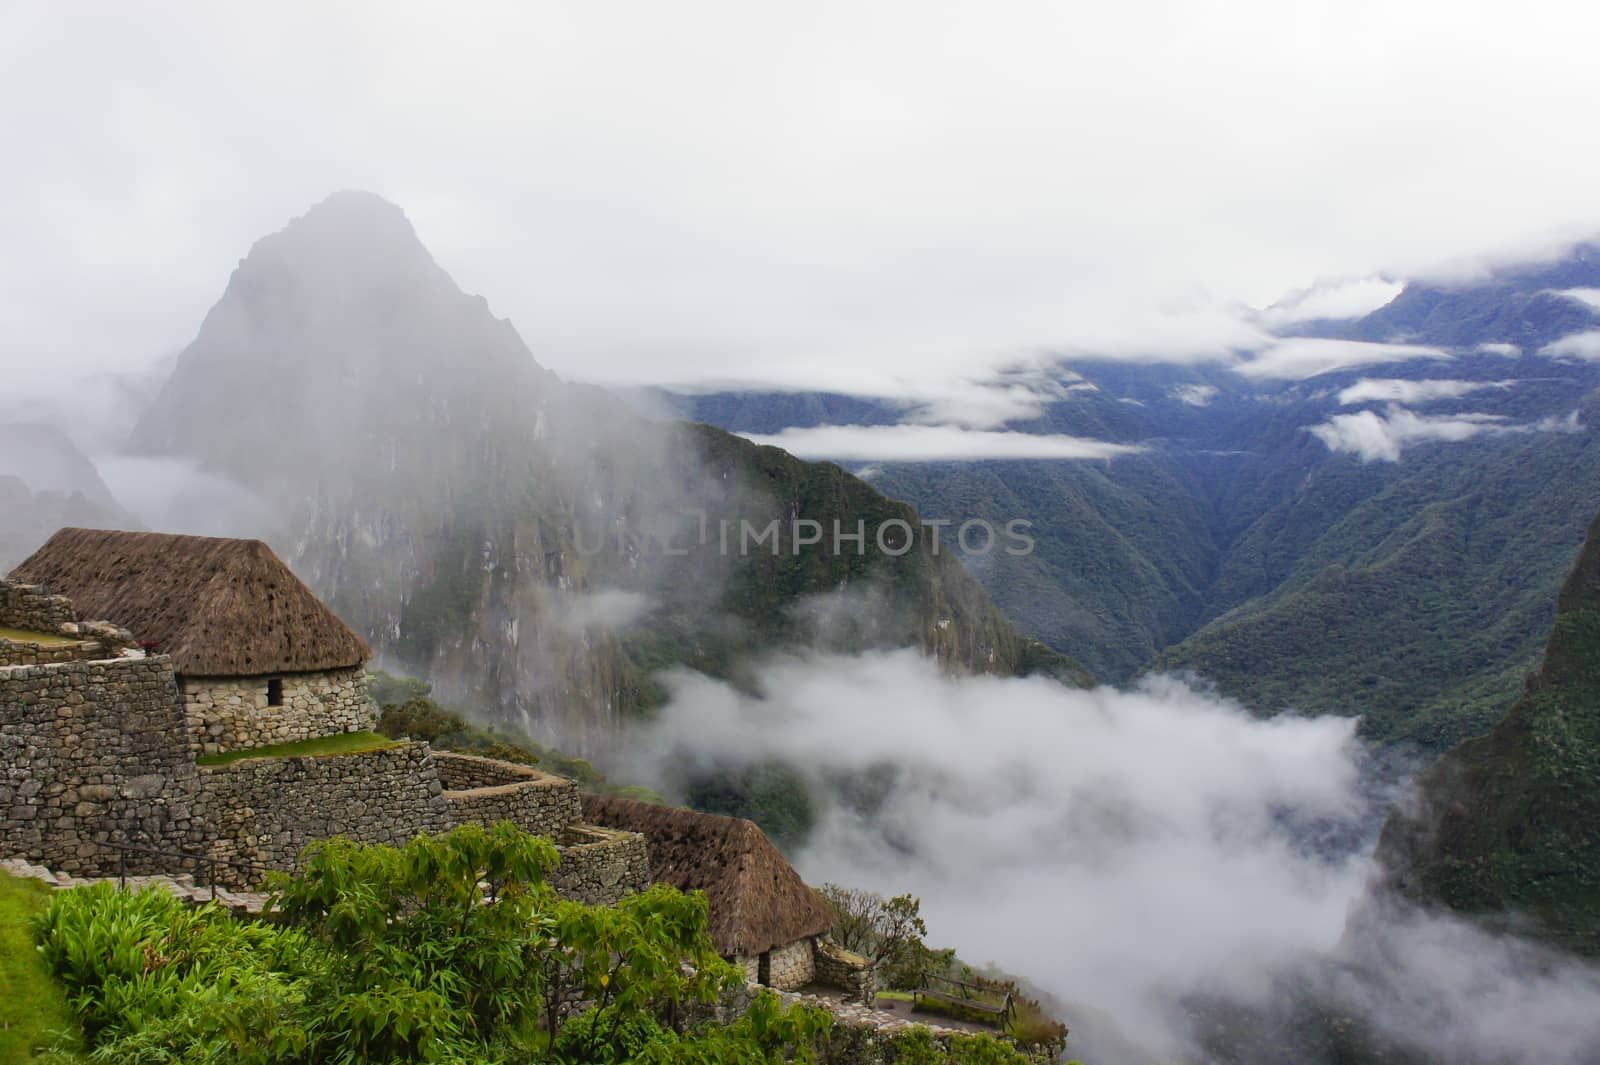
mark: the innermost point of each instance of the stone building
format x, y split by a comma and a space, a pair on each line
763, 916
260, 659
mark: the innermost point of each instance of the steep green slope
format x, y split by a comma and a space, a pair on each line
1510, 821
1422, 601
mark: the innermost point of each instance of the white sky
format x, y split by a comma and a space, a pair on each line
892, 198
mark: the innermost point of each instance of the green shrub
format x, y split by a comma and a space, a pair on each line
451, 949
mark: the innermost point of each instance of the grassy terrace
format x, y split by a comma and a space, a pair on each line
33, 1008
24, 636
344, 743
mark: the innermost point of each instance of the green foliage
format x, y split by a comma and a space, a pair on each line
1506, 821
772, 794
344, 743
888, 931
410, 711
452, 949
34, 1017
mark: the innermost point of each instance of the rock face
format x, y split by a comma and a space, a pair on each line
461, 506
1510, 821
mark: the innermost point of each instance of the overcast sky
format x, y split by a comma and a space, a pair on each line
879, 197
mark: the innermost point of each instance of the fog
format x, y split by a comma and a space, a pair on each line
1124, 851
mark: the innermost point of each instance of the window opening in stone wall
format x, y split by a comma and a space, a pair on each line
274, 692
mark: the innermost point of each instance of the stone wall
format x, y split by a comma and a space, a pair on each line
33, 653
486, 792
31, 607
845, 970
234, 713
600, 865
261, 812
87, 759
464, 772
790, 967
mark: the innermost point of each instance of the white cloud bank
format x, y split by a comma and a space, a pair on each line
716, 191
1123, 850
1584, 346
1375, 437
1589, 297
1300, 358
1335, 300
1195, 395
933, 443
1394, 390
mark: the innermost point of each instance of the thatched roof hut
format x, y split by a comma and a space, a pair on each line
219, 607
757, 900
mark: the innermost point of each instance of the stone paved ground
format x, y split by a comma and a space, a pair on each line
887, 1015
183, 886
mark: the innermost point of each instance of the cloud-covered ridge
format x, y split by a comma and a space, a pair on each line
1399, 390
1375, 437
1299, 358
933, 443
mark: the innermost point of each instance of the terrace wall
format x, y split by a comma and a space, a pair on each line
87, 760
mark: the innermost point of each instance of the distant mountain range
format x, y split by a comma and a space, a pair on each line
1383, 539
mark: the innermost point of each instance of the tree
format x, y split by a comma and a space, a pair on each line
888, 932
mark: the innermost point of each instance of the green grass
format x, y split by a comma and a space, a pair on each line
27, 636
344, 743
33, 1009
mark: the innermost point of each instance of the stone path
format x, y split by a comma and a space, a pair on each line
890, 1016
182, 886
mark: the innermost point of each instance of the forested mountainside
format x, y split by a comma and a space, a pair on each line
1509, 823
1384, 539
533, 547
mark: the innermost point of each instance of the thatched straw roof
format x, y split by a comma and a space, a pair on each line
757, 899
220, 608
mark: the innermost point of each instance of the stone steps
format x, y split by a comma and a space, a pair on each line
181, 886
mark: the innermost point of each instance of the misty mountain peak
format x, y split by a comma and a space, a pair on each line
342, 325
348, 242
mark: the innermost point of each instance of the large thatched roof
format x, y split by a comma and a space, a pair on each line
220, 608
757, 899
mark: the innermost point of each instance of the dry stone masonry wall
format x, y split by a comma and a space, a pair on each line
485, 791
87, 760
233, 714
31, 607
790, 967
259, 813
600, 865
849, 972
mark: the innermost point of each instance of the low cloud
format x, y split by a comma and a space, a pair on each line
1375, 437
1589, 297
1300, 358
1394, 390
1124, 851
933, 443
1510, 351
1195, 395
176, 496
1585, 345
1335, 300
607, 608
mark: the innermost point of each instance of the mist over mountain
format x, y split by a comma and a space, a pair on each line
45, 483
1370, 517
461, 505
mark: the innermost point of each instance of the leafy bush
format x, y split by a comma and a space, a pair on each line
451, 949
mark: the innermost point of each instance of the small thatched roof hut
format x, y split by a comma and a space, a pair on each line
757, 900
219, 607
